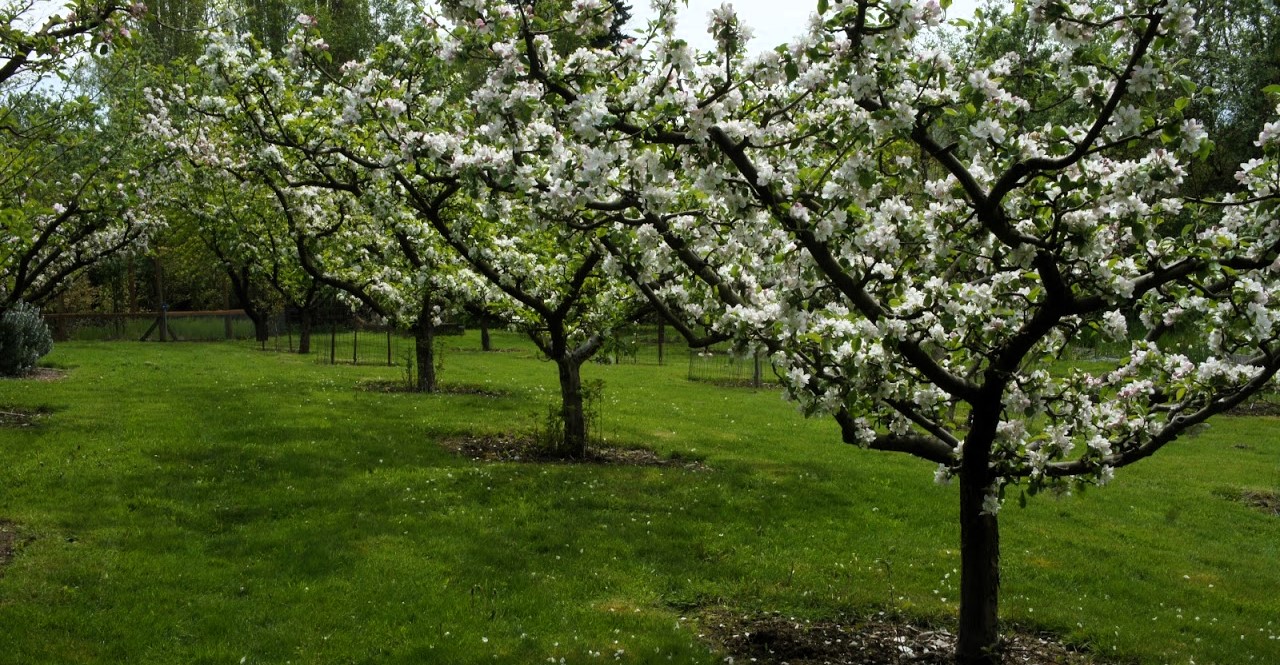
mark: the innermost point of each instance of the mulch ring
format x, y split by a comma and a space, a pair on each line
14, 416
42, 374
512, 448
8, 543
784, 641
443, 389
1267, 502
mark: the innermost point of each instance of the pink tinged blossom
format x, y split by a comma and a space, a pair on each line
1270, 135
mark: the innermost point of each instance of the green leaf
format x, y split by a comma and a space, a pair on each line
1272, 89
792, 70
823, 6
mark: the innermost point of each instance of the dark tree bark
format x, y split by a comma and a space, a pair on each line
978, 641
486, 344
306, 320
573, 443
424, 346
261, 327
979, 578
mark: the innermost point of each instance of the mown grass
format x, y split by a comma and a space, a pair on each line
209, 503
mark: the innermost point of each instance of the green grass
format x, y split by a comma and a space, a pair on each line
204, 503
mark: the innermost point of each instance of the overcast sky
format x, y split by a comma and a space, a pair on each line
772, 22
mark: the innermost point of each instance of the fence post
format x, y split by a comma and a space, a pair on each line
355, 344
333, 342
164, 321
389, 364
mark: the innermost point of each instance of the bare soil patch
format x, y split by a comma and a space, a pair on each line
779, 640
515, 448
16, 416
1267, 502
41, 374
8, 543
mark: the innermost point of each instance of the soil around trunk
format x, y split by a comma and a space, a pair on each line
514, 448
1267, 502
16, 416
8, 543
41, 374
781, 640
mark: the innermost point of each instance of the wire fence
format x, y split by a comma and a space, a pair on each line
655, 344
162, 326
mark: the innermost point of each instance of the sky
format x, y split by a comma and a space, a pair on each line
773, 22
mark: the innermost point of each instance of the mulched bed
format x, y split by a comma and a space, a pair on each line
12, 416
1267, 502
41, 374
783, 641
8, 543
511, 448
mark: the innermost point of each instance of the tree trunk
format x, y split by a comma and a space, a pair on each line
486, 344
305, 319
424, 344
572, 413
261, 327
979, 636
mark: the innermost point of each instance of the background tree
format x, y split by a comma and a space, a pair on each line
1235, 52
69, 191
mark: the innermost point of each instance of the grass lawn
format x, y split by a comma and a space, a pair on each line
211, 503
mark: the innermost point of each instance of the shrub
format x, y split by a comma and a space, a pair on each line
24, 339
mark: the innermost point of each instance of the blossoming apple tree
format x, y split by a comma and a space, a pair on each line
262, 121
429, 146
70, 195
922, 239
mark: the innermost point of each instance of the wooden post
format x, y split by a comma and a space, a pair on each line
333, 342
355, 344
